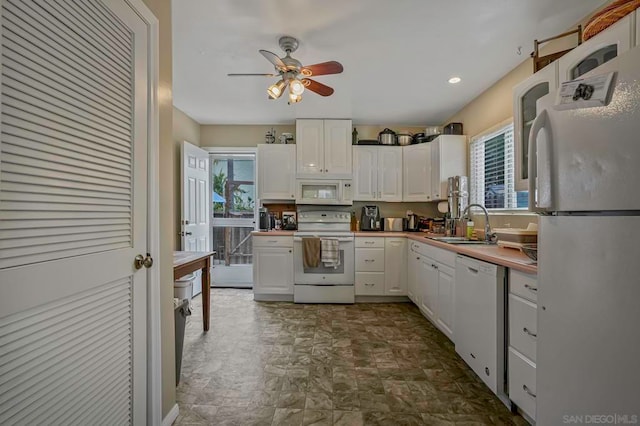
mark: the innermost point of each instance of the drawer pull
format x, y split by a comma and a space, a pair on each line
272, 241
369, 284
472, 355
526, 330
475, 271
530, 288
528, 391
369, 242
369, 260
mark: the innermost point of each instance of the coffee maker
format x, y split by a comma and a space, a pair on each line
264, 222
370, 218
458, 199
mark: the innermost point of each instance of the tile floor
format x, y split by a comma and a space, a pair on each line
272, 363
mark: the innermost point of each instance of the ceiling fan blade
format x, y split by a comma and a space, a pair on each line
324, 68
274, 59
250, 75
319, 88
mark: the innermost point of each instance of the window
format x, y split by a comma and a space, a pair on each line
492, 171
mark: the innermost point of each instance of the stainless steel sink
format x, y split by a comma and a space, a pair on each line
460, 240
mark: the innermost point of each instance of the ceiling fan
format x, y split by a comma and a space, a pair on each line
295, 75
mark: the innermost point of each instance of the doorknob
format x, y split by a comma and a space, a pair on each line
139, 261
182, 234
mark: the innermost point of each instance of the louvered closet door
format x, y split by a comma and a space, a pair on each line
73, 208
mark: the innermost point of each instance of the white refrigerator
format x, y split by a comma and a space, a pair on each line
584, 160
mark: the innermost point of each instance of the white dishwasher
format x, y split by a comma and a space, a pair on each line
479, 319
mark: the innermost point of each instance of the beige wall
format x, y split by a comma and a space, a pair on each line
162, 10
184, 129
239, 135
252, 135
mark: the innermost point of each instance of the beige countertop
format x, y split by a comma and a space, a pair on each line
273, 233
506, 257
510, 258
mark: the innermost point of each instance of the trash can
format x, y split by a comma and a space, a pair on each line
183, 287
181, 311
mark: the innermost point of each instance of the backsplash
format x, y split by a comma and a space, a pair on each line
399, 209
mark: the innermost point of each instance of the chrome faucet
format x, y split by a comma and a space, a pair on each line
487, 228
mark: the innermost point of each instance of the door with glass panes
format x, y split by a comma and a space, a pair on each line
234, 217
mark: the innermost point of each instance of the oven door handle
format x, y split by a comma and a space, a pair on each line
340, 239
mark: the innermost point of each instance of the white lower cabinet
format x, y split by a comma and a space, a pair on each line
381, 266
429, 299
446, 297
431, 284
523, 336
395, 267
272, 266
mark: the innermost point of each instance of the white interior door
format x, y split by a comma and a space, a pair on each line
196, 196
73, 213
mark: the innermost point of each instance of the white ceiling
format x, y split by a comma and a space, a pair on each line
397, 55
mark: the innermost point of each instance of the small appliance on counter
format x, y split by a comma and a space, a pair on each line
412, 222
370, 218
458, 200
263, 219
393, 224
289, 222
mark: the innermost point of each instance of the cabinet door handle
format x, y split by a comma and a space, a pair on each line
528, 391
289, 251
530, 288
472, 355
418, 258
526, 330
475, 271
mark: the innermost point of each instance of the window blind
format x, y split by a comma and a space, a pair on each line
492, 176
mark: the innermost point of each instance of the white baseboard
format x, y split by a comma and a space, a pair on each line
171, 416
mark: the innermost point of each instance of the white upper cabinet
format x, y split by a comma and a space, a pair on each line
310, 144
377, 173
276, 172
365, 173
597, 50
525, 96
323, 148
448, 158
416, 182
428, 165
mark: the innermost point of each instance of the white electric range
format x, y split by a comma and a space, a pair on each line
325, 284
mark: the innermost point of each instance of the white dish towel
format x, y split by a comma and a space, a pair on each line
330, 252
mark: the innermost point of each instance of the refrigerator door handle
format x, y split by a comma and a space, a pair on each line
540, 183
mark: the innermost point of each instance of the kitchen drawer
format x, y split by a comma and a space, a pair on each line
369, 283
369, 242
524, 285
369, 260
522, 382
272, 241
423, 249
446, 257
522, 324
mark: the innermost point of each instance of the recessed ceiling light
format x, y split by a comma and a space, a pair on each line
454, 80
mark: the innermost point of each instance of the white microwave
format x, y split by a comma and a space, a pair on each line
336, 192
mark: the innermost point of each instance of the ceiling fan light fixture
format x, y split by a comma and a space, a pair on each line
296, 87
293, 98
275, 90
